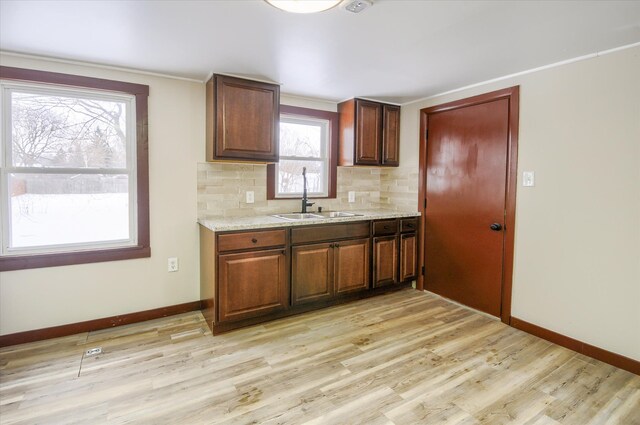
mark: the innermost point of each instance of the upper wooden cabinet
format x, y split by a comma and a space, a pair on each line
242, 119
391, 135
369, 133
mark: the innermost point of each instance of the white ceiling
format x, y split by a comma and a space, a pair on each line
395, 51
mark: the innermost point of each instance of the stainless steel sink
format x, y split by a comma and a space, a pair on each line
297, 216
338, 214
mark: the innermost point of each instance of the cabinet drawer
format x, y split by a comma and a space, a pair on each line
409, 225
329, 232
385, 227
250, 240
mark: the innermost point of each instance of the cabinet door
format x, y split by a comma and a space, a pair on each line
408, 257
351, 266
385, 260
247, 116
311, 273
251, 284
391, 135
368, 132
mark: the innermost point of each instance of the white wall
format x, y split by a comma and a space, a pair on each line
39, 298
577, 252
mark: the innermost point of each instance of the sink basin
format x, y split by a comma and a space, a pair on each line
297, 216
338, 214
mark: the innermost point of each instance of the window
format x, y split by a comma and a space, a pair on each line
308, 139
74, 170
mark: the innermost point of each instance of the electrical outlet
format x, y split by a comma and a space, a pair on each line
352, 196
172, 264
250, 197
528, 179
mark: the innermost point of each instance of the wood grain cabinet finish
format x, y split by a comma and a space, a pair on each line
391, 135
408, 257
385, 260
408, 249
351, 266
320, 272
369, 133
249, 277
328, 261
251, 240
251, 284
394, 251
311, 273
242, 119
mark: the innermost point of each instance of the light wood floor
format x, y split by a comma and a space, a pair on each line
403, 358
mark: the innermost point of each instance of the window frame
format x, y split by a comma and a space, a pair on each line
332, 151
141, 247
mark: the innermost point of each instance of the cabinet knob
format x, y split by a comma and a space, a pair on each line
336, 245
254, 240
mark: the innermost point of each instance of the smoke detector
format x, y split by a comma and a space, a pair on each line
357, 6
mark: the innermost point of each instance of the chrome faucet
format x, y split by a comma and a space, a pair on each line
305, 201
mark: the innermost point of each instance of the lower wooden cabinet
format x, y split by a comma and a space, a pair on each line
408, 257
311, 273
249, 277
321, 271
252, 284
351, 266
385, 260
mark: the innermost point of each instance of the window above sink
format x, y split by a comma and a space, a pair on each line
308, 138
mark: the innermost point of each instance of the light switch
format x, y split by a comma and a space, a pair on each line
528, 179
250, 197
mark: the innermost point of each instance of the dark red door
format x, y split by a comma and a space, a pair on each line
465, 188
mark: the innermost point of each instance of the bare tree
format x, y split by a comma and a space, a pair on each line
68, 131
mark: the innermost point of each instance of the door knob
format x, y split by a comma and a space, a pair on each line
496, 227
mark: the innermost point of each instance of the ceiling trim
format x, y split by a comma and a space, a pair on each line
470, 86
528, 71
98, 65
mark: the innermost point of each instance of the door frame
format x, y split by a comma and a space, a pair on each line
512, 94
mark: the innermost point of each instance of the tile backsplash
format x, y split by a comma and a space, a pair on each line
222, 190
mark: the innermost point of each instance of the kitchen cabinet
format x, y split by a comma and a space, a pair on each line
251, 284
323, 270
385, 260
369, 133
242, 119
395, 248
311, 273
390, 135
408, 249
351, 266
252, 276
385, 252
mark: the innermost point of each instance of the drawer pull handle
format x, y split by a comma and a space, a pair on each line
254, 240
386, 227
410, 225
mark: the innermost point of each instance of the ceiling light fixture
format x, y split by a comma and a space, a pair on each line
304, 6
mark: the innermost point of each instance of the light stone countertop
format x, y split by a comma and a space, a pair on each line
223, 224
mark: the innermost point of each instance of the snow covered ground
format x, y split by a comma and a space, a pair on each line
39, 220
